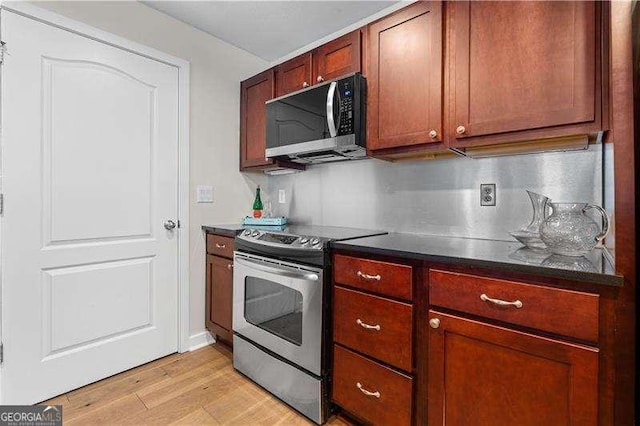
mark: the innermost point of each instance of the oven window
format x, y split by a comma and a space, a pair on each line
274, 308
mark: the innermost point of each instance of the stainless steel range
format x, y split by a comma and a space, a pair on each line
281, 311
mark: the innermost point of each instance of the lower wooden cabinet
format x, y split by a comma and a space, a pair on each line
219, 288
483, 374
372, 391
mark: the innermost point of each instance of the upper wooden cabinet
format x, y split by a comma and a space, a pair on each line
331, 60
523, 71
254, 93
295, 74
404, 78
337, 58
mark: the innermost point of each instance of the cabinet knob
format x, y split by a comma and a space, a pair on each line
460, 130
434, 322
229, 266
320, 78
433, 134
305, 84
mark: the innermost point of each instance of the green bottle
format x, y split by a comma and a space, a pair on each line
257, 204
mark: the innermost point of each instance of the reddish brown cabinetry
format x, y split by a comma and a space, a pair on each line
404, 79
373, 336
219, 286
331, 60
521, 71
295, 74
254, 93
337, 58
483, 373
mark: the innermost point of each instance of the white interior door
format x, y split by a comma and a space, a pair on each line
89, 175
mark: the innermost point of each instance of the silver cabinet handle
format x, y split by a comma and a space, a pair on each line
461, 130
305, 84
169, 225
368, 277
366, 392
516, 303
434, 322
367, 326
229, 266
221, 245
433, 134
320, 78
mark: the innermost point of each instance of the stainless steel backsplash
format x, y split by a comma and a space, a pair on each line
438, 197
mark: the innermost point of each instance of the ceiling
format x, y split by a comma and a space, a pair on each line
269, 29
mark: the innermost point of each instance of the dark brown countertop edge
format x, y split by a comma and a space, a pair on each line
590, 277
224, 230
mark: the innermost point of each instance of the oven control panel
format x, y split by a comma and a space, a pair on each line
280, 239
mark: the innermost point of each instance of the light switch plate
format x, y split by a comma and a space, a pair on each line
204, 194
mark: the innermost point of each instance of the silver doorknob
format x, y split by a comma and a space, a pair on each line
320, 78
434, 322
460, 130
305, 84
169, 225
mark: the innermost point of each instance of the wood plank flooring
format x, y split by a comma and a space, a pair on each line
199, 387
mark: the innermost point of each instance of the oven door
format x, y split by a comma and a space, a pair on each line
278, 305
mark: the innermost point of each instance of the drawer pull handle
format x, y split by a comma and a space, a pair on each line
368, 277
221, 245
485, 298
367, 326
366, 392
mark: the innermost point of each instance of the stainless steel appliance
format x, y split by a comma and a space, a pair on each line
319, 124
281, 307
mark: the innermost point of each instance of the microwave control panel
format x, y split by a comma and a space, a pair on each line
346, 107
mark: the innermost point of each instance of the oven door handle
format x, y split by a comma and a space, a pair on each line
277, 271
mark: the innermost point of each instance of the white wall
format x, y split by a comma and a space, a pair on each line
216, 71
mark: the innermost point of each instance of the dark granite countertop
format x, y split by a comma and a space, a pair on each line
227, 230
594, 267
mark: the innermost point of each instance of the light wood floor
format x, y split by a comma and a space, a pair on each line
199, 387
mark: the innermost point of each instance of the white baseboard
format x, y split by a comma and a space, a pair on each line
200, 340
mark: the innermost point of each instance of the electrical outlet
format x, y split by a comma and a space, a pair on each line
282, 197
487, 194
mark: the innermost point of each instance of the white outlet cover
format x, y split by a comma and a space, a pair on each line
282, 197
204, 194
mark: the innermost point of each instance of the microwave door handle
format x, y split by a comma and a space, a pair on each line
277, 271
330, 119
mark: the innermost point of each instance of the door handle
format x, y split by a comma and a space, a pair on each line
169, 225
276, 271
330, 119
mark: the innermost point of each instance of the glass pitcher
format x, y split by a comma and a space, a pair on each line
570, 232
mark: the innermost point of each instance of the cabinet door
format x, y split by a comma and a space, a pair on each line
404, 77
480, 374
337, 58
219, 296
295, 74
253, 132
518, 66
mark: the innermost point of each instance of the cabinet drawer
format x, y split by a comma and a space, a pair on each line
385, 278
564, 312
370, 390
220, 246
373, 325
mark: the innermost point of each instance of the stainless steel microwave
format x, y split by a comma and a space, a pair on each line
319, 124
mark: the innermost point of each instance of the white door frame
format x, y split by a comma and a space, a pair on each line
182, 66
